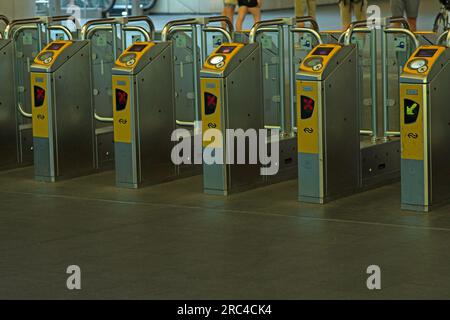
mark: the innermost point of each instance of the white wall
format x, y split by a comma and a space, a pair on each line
16, 9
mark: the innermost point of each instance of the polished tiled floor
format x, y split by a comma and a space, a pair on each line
171, 241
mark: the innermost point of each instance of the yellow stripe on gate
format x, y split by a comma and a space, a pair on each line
122, 114
39, 104
412, 106
308, 127
211, 109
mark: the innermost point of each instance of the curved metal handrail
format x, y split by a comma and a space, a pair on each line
23, 112
95, 22
103, 119
141, 30
15, 23
220, 30
444, 35
400, 20
147, 20
166, 32
185, 123
4, 19
22, 28
63, 29
309, 19
314, 32
267, 23
407, 32
91, 31
347, 35
213, 19
54, 19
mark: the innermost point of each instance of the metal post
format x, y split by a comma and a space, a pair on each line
373, 81
292, 91
385, 79
123, 38
282, 78
39, 36
196, 72
204, 45
114, 35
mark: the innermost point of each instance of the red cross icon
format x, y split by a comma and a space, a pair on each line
40, 94
211, 101
308, 104
122, 97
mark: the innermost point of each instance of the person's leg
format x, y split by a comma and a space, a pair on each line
299, 8
300, 11
412, 12
256, 13
312, 8
360, 10
346, 13
242, 12
229, 9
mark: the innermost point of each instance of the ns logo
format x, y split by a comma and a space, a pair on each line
212, 125
40, 117
308, 130
413, 136
123, 121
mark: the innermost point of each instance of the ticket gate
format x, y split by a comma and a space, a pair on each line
328, 123
63, 128
425, 128
108, 39
8, 132
26, 38
231, 86
144, 114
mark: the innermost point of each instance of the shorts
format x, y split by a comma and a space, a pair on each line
248, 3
399, 7
230, 3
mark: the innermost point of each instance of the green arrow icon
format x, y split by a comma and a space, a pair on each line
410, 110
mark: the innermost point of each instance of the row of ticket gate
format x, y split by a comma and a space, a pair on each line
115, 97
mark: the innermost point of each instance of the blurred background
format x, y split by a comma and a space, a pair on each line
162, 11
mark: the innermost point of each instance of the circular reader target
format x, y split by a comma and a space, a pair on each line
128, 59
46, 57
218, 61
419, 65
315, 63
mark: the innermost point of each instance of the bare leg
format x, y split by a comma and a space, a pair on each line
228, 11
241, 17
256, 13
413, 24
